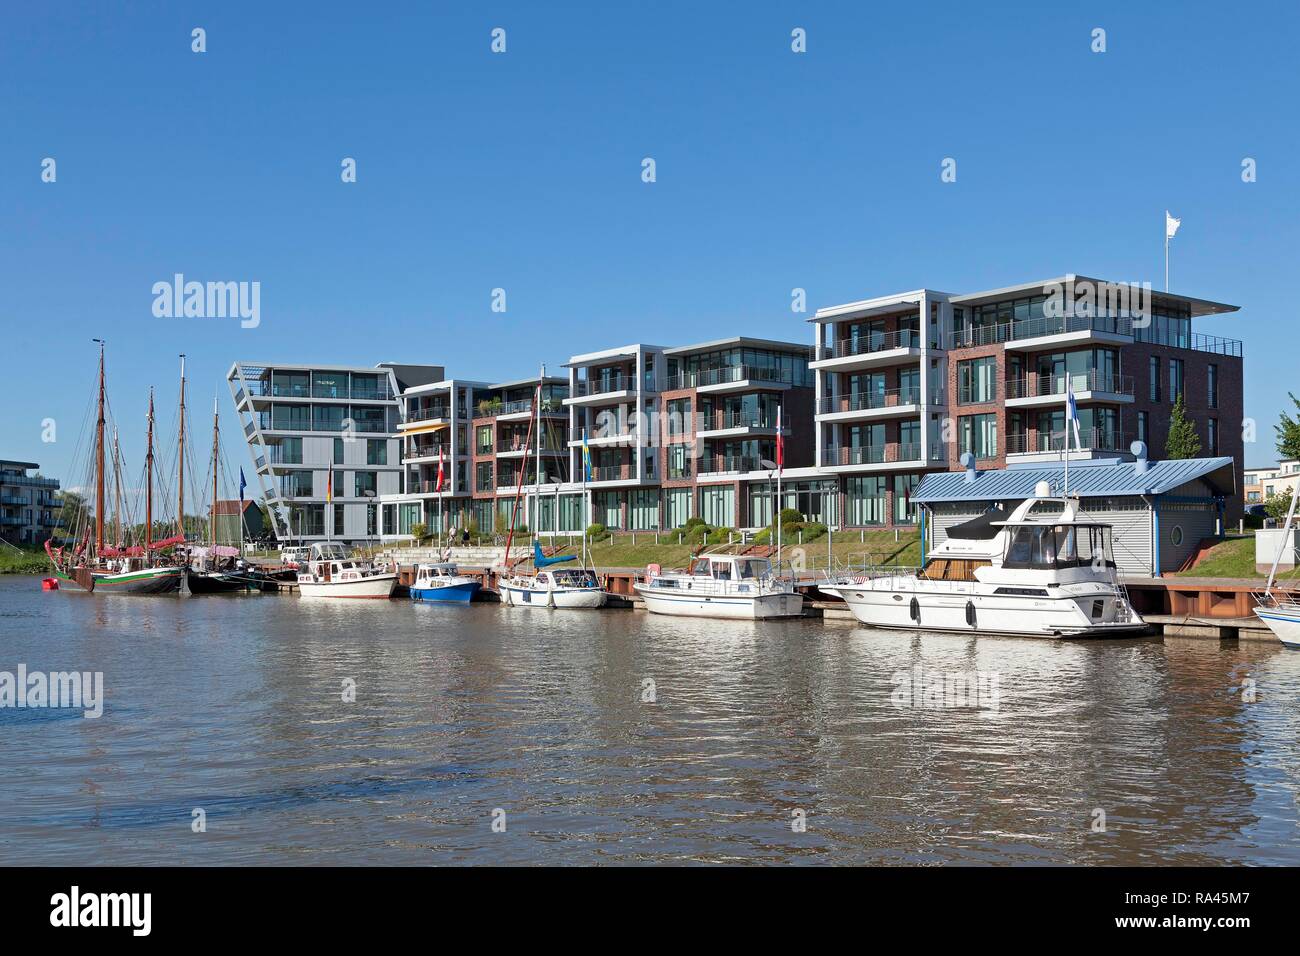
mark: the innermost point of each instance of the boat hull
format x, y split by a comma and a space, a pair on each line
735, 607
973, 608
1285, 624
375, 587
572, 598
451, 594
217, 582
147, 581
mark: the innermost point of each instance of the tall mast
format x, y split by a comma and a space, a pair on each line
216, 437
148, 483
117, 492
99, 459
180, 460
537, 493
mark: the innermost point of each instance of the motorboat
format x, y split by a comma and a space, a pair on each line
1045, 570
443, 582
722, 586
1280, 610
333, 572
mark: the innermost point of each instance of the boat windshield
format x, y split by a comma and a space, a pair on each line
702, 567
1058, 546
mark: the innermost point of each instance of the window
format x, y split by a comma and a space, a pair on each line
1142, 434
718, 505
327, 418
484, 439
679, 465
677, 503
1175, 379
376, 451
365, 483
483, 476
643, 509
1153, 366
1212, 435
1212, 385
977, 380
338, 520
864, 500
904, 511
978, 434
679, 416
338, 451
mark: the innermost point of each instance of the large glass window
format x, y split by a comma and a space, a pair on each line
864, 500
978, 434
327, 418
291, 417
977, 380
677, 503
1153, 375
643, 509
1175, 379
904, 511
376, 451
365, 483
718, 505
1212, 385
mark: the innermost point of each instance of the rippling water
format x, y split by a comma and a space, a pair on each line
233, 705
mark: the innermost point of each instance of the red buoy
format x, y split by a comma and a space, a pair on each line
49, 584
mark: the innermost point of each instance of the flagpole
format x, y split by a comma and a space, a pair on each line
777, 504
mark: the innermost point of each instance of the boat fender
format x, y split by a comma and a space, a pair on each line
653, 571
916, 610
49, 584
970, 613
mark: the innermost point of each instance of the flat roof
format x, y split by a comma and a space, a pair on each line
1198, 306
739, 341
519, 382
879, 305
1095, 479
18, 464
618, 351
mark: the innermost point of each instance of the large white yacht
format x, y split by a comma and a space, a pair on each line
1048, 574
721, 585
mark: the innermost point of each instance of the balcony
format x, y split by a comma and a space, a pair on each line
1090, 386
874, 404
624, 472
427, 413
888, 455
1053, 443
734, 378
13, 500
521, 409
417, 451
869, 351
1030, 334
737, 423
515, 446
726, 464
262, 389
680, 472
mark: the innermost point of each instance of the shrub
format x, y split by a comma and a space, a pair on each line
812, 531
419, 531
595, 532
790, 516
692, 522
719, 535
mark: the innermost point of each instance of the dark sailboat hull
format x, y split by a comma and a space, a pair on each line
147, 581
216, 582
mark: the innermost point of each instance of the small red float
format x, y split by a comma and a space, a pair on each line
49, 584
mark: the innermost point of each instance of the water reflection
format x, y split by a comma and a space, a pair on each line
624, 737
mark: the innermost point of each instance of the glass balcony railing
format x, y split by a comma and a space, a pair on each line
733, 373
716, 464
604, 384
1117, 325
870, 342
1032, 386
1094, 439
866, 401
881, 454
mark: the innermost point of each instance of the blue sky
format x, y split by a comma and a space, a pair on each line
522, 171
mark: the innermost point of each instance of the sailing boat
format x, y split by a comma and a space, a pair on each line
1281, 612
545, 587
217, 570
97, 567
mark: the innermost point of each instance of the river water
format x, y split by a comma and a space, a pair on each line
768, 742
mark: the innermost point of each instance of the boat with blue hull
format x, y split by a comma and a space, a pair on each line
444, 584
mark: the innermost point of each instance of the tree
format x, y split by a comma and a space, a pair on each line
1277, 504
419, 531
1288, 433
1183, 442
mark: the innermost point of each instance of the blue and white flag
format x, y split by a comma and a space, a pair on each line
1071, 415
242, 485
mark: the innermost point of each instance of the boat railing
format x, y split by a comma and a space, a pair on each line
719, 587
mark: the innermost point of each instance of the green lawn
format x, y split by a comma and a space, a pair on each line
24, 561
847, 547
1233, 558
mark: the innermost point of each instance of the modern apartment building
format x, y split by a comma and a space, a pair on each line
325, 442
1278, 479
911, 382
29, 504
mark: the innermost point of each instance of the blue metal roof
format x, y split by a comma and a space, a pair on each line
1087, 480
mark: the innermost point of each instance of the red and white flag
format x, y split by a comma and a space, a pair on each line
439, 487
780, 442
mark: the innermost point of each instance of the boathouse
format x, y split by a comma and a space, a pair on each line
1160, 511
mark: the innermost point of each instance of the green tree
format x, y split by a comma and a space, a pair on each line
420, 531
1277, 504
1288, 433
1183, 442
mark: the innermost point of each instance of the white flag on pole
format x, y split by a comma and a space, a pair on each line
1071, 415
1171, 225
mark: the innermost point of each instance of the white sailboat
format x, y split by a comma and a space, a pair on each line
547, 586
1281, 612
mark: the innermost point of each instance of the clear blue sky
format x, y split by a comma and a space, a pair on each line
522, 171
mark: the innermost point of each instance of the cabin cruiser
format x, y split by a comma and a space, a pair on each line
1280, 610
1047, 574
721, 585
552, 587
442, 582
332, 572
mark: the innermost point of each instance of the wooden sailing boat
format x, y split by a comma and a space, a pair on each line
217, 571
545, 587
97, 567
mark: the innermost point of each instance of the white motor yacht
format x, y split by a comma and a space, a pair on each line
332, 572
724, 586
1045, 570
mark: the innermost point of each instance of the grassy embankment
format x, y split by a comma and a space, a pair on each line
1234, 558
847, 547
23, 561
